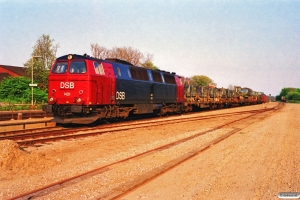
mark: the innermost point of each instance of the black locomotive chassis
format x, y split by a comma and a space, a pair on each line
65, 114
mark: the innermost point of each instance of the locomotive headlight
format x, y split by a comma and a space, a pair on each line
79, 101
52, 100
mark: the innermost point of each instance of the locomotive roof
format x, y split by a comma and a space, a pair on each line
118, 61
75, 56
112, 60
85, 56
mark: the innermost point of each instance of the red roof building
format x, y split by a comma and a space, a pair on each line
6, 71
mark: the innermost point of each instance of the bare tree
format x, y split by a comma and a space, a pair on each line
128, 54
99, 51
147, 58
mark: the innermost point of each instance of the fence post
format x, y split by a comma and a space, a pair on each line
12, 113
42, 109
19, 116
30, 111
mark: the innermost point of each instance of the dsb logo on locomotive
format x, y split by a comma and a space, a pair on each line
120, 95
67, 85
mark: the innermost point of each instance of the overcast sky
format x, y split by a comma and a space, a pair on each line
252, 44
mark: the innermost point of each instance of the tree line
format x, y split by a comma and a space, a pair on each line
43, 56
129, 54
292, 95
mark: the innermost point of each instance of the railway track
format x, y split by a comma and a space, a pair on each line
204, 140
52, 134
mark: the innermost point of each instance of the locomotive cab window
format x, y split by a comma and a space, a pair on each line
60, 68
77, 68
98, 68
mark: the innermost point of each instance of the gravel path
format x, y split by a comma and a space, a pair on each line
257, 164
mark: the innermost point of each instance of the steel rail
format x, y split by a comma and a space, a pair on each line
33, 138
29, 131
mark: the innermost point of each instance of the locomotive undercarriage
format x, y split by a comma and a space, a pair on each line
77, 114
171, 108
65, 114
108, 112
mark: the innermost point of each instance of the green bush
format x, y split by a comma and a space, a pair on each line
294, 95
278, 98
294, 101
17, 89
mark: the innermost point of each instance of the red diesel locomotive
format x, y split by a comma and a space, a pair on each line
83, 89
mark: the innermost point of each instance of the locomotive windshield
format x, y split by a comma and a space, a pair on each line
60, 68
77, 68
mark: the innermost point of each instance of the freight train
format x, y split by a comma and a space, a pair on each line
83, 89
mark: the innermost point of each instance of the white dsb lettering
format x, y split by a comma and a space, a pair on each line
120, 95
67, 85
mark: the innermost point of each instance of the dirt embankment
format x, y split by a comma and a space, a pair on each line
16, 160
